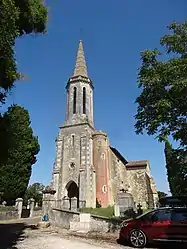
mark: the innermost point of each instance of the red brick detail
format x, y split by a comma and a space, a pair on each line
102, 180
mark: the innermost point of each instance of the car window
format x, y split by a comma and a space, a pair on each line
161, 215
179, 215
147, 216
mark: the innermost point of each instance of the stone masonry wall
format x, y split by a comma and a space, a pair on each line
62, 218
71, 220
103, 224
74, 162
113, 165
79, 116
8, 215
138, 186
118, 175
37, 213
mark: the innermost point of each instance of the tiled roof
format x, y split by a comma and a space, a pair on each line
130, 163
136, 163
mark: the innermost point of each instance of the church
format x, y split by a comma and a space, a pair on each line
87, 168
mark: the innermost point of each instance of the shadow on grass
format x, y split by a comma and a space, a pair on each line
11, 233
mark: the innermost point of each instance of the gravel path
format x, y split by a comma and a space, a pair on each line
46, 240
56, 242
23, 235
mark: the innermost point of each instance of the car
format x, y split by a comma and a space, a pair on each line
167, 224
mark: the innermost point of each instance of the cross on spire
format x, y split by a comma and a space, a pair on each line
80, 65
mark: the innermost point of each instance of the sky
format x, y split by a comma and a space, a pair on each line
114, 33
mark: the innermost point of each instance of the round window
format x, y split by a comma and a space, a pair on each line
72, 165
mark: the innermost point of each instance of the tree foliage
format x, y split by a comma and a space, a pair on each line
17, 17
23, 146
34, 191
162, 104
176, 166
161, 194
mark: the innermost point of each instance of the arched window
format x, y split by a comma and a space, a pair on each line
73, 140
74, 99
103, 156
104, 189
73, 145
84, 100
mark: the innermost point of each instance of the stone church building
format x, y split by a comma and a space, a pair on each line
87, 168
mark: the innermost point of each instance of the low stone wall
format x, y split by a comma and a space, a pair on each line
104, 224
11, 215
62, 218
37, 213
8, 215
75, 221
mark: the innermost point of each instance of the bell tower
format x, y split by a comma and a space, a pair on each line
73, 172
79, 88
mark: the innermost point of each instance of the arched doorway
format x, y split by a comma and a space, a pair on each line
72, 191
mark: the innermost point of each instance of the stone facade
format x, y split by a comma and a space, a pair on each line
87, 168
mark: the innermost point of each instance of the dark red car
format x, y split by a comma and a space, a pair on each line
162, 224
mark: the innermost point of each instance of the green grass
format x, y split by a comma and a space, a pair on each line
106, 212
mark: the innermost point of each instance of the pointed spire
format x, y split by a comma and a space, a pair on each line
80, 65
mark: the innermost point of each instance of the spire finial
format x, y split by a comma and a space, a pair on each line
80, 65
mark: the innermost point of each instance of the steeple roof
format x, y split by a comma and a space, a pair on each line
80, 65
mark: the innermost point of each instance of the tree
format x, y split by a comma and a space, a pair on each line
176, 166
34, 191
161, 194
17, 17
15, 169
162, 104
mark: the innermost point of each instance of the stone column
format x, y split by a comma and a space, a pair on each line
19, 206
48, 201
31, 201
116, 210
74, 204
65, 203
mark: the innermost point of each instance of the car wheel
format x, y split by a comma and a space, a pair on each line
137, 238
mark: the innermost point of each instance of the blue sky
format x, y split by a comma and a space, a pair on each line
114, 33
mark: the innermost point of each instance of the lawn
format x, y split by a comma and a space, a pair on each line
106, 212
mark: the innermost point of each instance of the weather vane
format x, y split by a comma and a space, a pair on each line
80, 33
